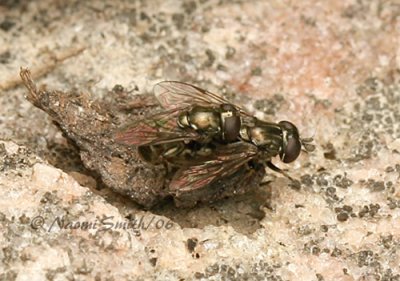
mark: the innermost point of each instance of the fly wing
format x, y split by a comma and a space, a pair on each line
226, 160
174, 94
156, 129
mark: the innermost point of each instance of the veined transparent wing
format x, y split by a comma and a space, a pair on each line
156, 129
226, 160
174, 94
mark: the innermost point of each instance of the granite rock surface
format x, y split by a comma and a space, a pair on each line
330, 67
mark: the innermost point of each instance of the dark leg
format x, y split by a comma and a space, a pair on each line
276, 169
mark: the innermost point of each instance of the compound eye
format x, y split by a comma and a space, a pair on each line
291, 151
288, 126
291, 142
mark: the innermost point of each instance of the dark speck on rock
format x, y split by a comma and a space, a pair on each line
342, 216
178, 19
48, 197
153, 261
295, 184
212, 269
330, 191
389, 169
6, 25
271, 105
230, 52
363, 211
189, 7
387, 241
342, 181
205, 28
322, 179
305, 230
330, 152
371, 209
375, 186
2, 217
191, 244
9, 275
199, 275
393, 203
24, 219
336, 252
9, 254
210, 58
374, 208
5, 57
306, 180
347, 208
319, 277
257, 71
221, 67
324, 228
344, 212
144, 17
3, 150
365, 258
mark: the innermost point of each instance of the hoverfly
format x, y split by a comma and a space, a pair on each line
207, 137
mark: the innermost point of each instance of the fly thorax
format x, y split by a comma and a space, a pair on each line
204, 119
258, 136
266, 139
244, 133
230, 122
183, 120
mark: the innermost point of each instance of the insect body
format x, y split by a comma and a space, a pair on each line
207, 137
223, 122
191, 114
282, 138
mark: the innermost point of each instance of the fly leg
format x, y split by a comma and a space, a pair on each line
294, 183
264, 183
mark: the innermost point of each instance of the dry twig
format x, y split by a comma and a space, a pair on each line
47, 67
